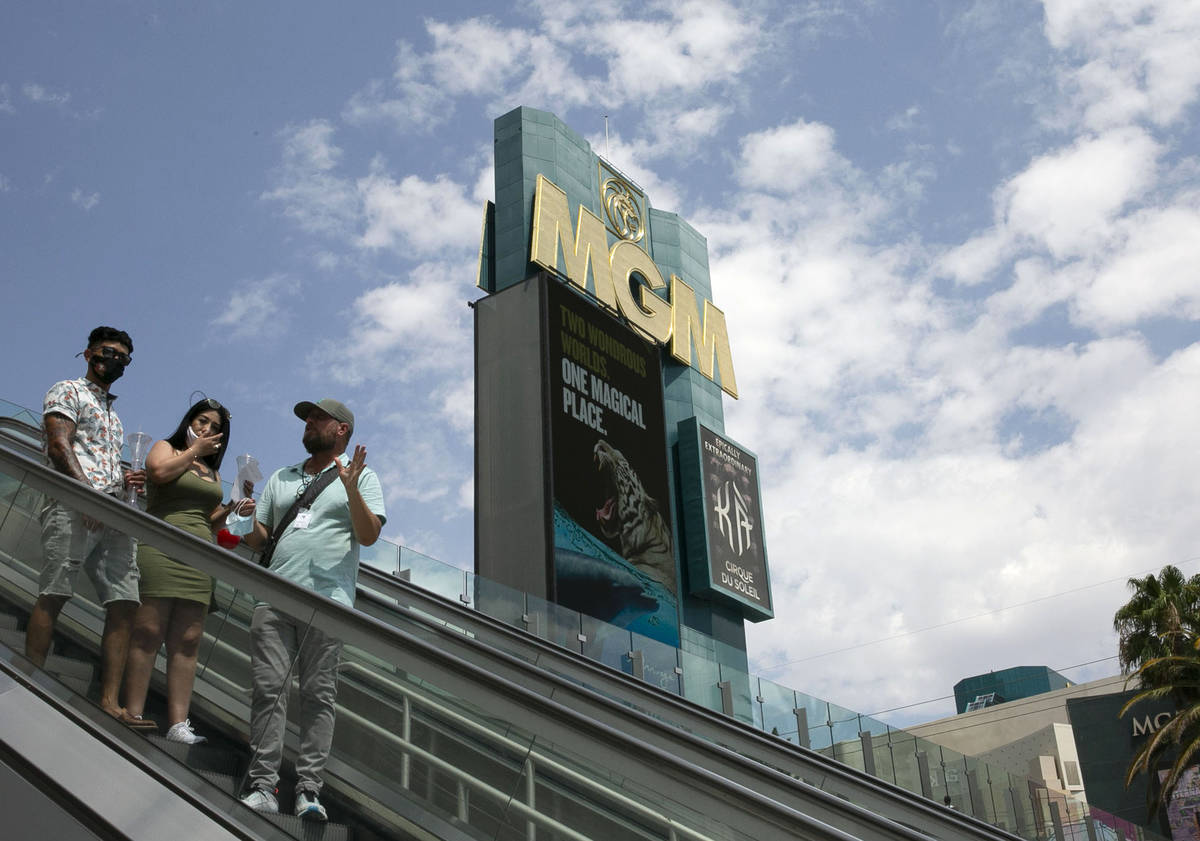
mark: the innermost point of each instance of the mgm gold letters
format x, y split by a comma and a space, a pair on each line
677, 322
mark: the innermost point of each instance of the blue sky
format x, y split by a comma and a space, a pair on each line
956, 244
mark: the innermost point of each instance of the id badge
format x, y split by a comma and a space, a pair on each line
303, 518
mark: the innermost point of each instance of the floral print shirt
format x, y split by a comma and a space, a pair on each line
98, 432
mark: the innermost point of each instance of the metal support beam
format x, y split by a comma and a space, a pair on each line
726, 696
637, 661
923, 772
1014, 809
868, 749
802, 738
1056, 819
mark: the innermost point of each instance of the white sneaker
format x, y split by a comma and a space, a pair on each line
261, 800
309, 807
182, 732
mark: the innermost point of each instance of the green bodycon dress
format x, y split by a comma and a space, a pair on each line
185, 503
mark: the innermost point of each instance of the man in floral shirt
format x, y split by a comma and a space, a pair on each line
83, 440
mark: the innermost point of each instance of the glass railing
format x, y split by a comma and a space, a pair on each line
407, 749
921, 767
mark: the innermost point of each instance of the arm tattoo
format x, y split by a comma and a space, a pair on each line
59, 432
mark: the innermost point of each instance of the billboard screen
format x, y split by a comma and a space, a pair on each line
727, 555
614, 557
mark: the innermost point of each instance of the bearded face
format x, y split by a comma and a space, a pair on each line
319, 439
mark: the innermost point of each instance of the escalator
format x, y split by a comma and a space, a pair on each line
451, 724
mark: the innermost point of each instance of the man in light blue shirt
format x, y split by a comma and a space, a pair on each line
318, 549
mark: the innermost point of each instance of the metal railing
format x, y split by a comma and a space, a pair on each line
519, 694
859, 744
1018, 806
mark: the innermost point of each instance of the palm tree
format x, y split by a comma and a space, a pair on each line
1161, 620
1178, 741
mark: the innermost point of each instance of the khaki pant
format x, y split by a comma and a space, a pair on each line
281, 646
106, 555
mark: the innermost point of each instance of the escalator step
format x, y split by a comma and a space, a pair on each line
204, 758
15, 639
76, 674
65, 667
310, 830
225, 782
75, 684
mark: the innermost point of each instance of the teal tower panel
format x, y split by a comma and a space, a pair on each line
529, 143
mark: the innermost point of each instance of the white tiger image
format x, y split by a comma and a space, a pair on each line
633, 517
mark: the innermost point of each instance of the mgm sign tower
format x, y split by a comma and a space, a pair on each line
603, 480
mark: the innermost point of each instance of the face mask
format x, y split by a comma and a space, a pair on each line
108, 371
109, 364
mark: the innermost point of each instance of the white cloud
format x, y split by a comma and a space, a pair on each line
408, 328
788, 157
5, 183
974, 261
1139, 57
6, 106
903, 121
685, 48
327, 260
666, 58
672, 130
256, 308
424, 217
457, 404
307, 187
418, 479
904, 431
1060, 201
987, 532
45, 96
375, 211
466, 491
1058, 204
507, 64
412, 107
1156, 272
496, 54
84, 201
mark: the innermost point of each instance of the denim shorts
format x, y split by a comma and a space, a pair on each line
106, 554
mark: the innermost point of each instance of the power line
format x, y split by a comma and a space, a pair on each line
1012, 707
948, 697
960, 620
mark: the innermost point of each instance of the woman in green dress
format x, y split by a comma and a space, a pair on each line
183, 488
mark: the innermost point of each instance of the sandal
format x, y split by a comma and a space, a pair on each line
133, 722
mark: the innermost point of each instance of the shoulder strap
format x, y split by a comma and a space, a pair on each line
305, 501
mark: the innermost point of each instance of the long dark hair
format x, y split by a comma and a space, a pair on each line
178, 438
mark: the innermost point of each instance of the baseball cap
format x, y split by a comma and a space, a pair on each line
334, 408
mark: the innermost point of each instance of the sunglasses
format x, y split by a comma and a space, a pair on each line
117, 356
215, 406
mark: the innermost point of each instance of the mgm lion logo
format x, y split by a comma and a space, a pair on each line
633, 517
621, 207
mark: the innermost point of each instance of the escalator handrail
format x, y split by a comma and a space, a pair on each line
521, 694
735, 741
193, 789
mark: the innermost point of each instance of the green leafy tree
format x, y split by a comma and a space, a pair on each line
1176, 745
1159, 621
